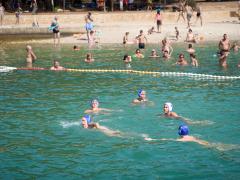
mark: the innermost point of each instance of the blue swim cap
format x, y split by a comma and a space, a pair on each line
183, 130
139, 92
88, 118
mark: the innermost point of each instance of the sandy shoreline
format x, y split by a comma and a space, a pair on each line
114, 34
111, 26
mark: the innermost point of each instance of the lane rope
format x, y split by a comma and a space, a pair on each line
169, 74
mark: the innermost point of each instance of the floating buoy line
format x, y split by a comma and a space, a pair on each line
155, 73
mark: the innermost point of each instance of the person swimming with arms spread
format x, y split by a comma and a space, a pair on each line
87, 123
141, 97
168, 112
95, 107
183, 132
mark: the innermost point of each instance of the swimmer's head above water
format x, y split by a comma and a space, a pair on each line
86, 120
141, 93
94, 103
183, 130
168, 107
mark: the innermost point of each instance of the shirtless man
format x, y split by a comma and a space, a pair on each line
31, 57
224, 47
190, 37
56, 66
141, 40
181, 61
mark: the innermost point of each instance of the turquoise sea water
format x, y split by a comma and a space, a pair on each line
41, 136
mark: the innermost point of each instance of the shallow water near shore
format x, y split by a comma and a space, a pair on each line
41, 135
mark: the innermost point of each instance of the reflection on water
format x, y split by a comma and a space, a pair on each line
40, 114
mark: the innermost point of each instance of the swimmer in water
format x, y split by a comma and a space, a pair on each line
56, 66
31, 57
181, 60
235, 47
127, 60
89, 58
141, 97
76, 48
183, 132
154, 54
138, 54
87, 123
167, 110
95, 107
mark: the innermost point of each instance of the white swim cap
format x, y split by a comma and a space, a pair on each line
170, 106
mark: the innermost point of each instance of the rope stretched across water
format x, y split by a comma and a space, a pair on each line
171, 74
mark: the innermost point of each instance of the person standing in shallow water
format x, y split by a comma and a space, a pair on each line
224, 48
31, 57
141, 40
